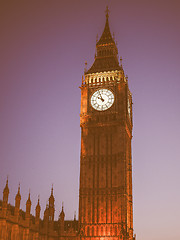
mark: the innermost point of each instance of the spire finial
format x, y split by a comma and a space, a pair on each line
85, 68
29, 193
18, 195
7, 182
6, 188
29, 198
19, 188
52, 189
107, 12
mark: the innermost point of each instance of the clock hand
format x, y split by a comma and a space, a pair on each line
100, 96
101, 99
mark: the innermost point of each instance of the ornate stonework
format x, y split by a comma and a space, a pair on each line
16, 224
105, 194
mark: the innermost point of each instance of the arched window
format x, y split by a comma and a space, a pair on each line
102, 231
115, 230
106, 230
97, 231
87, 231
92, 231
9, 235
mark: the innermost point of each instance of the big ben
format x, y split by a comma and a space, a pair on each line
105, 193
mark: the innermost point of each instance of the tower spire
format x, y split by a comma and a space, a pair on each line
5, 198
28, 206
17, 202
38, 209
106, 37
52, 190
106, 58
107, 12
6, 189
62, 214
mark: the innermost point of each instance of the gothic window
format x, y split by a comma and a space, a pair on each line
87, 231
111, 230
101, 214
115, 230
21, 235
96, 231
92, 231
101, 230
9, 235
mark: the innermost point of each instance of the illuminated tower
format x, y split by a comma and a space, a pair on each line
105, 194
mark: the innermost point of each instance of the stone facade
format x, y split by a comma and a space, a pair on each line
16, 224
105, 195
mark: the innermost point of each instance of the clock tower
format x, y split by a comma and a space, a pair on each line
105, 193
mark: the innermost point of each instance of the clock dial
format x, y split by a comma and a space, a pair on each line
102, 99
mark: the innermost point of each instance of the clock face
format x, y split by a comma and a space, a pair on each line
102, 99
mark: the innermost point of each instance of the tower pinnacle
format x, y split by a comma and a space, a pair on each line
107, 12
52, 190
6, 189
5, 197
106, 57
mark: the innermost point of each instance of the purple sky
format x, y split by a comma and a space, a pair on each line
43, 47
